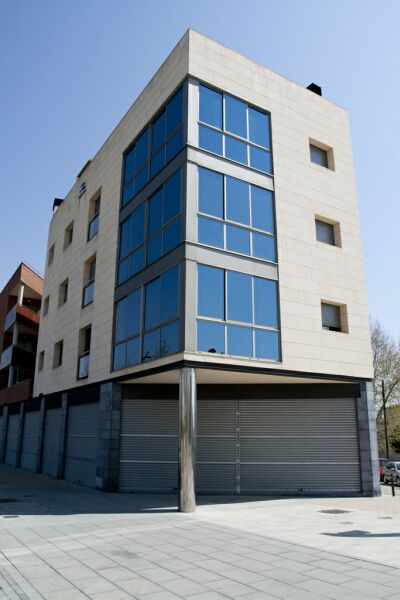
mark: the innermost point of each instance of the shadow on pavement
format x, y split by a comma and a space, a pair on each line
356, 533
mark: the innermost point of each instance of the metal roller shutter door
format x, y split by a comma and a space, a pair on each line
12, 439
82, 441
149, 445
30, 441
51, 442
289, 446
216, 469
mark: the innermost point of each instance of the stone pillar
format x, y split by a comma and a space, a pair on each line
20, 435
3, 438
187, 440
40, 435
63, 435
107, 469
369, 459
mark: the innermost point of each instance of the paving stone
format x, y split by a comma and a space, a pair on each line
232, 589
243, 575
184, 587
139, 586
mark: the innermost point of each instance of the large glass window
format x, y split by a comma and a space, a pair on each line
236, 216
153, 148
141, 244
237, 314
231, 128
156, 334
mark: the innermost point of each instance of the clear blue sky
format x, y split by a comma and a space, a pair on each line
70, 70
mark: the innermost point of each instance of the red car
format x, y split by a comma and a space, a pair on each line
382, 463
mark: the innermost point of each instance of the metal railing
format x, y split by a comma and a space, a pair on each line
83, 365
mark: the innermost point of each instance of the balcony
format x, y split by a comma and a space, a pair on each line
21, 313
16, 393
6, 357
17, 355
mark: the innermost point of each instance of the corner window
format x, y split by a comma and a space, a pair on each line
50, 257
63, 293
236, 216
334, 317
231, 128
237, 314
321, 155
85, 336
58, 354
154, 147
327, 232
68, 235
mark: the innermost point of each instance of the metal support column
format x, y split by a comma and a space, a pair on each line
187, 440
40, 435
63, 435
20, 438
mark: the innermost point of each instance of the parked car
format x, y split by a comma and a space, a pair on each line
391, 471
382, 463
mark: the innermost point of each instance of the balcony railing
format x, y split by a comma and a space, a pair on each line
23, 311
16, 393
83, 365
93, 226
88, 293
6, 357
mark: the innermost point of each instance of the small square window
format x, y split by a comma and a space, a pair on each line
46, 303
334, 317
50, 257
321, 155
41, 361
327, 232
68, 235
58, 354
63, 293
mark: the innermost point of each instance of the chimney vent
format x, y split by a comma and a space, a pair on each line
313, 87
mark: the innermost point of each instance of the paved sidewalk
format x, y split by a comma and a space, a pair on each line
59, 541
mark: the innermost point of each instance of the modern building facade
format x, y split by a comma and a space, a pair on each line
206, 321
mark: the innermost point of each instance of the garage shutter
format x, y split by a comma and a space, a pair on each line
51, 442
81, 449
289, 446
149, 445
12, 440
30, 440
216, 446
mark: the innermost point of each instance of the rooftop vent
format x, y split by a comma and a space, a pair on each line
82, 189
313, 87
57, 202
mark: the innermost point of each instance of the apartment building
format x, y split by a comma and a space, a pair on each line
207, 325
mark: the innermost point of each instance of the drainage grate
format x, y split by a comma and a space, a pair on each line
334, 511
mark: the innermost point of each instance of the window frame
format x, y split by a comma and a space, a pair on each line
337, 237
90, 283
330, 158
343, 317
58, 354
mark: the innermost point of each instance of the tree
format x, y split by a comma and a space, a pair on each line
394, 439
386, 358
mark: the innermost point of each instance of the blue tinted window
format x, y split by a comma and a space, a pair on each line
151, 345
132, 352
211, 193
172, 197
125, 239
140, 180
210, 140
237, 239
236, 150
265, 302
262, 210
137, 226
259, 128
127, 193
158, 161
267, 344
155, 212
129, 165
210, 337
211, 297
123, 271
119, 356
137, 261
264, 246
152, 306
169, 339
237, 201
174, 144
172, 236
158, 133
239, 297
154, 249
240, 341
169, 297
235, 116
127, 321
260, 159
142, 149
211, 232
210, 107
174, 112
